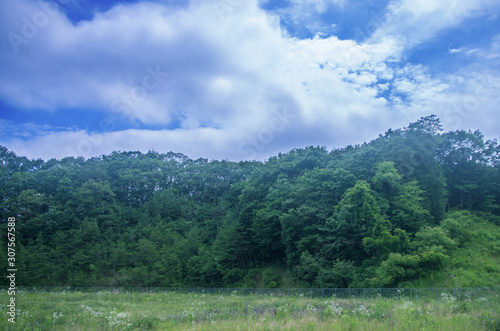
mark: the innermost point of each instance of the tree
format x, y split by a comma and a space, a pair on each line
401, 203
339, 275
469, 163
408, 212
267, 232
387, 180
357, 216
370, 214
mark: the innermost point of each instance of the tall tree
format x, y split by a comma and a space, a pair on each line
357, 216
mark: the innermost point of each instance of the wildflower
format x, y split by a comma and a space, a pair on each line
362, 310
310, 307
410, 307
118, 319
334, 308
57, 315
447, 297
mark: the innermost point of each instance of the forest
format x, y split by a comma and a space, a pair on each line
414, 207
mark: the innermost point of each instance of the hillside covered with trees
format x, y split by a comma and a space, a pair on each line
414, 207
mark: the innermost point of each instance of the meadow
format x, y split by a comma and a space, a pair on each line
114, 310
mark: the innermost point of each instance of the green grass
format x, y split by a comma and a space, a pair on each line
476, 262
175, 311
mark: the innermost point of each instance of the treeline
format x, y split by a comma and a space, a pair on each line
412, 204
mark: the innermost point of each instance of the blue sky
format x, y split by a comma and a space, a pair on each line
238, 80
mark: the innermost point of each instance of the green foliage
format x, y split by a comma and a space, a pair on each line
414, 206
308, 268
387, 181
271, 278
357, 216
397, 268
339, 275
387, 242
267, 231
437, 236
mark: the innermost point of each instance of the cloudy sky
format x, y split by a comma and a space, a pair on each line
240, 79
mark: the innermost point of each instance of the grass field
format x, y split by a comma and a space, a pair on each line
106, 310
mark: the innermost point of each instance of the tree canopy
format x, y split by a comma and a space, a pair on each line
394, 211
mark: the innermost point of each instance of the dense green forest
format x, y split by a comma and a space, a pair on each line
414, 207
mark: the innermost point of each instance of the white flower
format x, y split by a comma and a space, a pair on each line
447, 297
310, 307
334, 308
57, 315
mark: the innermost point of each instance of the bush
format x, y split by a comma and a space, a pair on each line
271, 278
340, 275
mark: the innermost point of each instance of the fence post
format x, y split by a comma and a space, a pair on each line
436, 294
416, 295
322, 292
364, 293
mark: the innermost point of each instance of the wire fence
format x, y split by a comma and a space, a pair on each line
456, 293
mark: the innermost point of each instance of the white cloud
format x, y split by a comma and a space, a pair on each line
239, 87
25, 130
319, 6
490, 54
304, 14
417, 20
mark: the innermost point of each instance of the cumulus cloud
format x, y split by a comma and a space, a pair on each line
304, 15
235, 85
